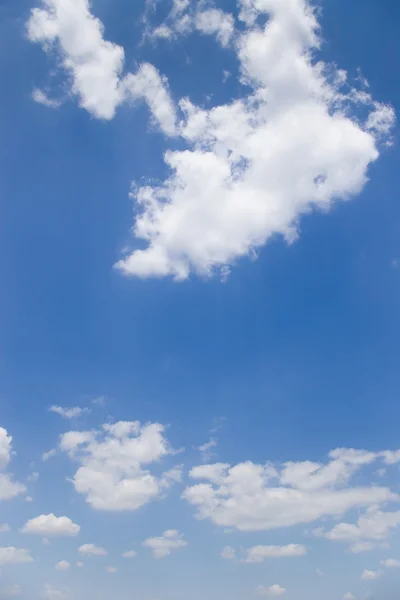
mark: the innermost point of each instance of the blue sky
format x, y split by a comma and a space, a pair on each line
200, 270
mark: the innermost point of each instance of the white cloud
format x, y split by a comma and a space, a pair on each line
274, 590
95, 64
228, 553
111, 570
349, 596
69, 413
80, 564
33, 477
63, 565
50, 593
51, 526
49, 454
41, 97
115, 461
8, 487
12, 591
253, 167
206, 449
162, 546
374, 525
129, 554
390, 563
370, 575
216, 22
93, 550
258, 554
14, 556
4, 528
28, 499
253, 497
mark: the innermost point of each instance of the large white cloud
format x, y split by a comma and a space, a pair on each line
252, 167
115, 461
8, 487
50, 525
251, 496
163, 546
95, 64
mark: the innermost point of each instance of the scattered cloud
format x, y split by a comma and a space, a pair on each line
50, 593
93, 549
129, 554
349, 596
114, 464
49, 454
391, 563
33, 477
258, 554
51, 526
8, 487
41, 97
273, 591
4, 528
95, 65
253, 497
228, 553
370, 575
80, 564
69, 413
206, 449
111, 570
14, 556
162, 546
63, 565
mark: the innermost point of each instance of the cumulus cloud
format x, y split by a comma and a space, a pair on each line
8, 487
94, 64
273, 591
370, 575
69, 413
251, 168
163, 546
115, 461
129, 554
391, 563
258, 554
253, 497
93, 550
51, 526
63, 565
14, 556
349, 596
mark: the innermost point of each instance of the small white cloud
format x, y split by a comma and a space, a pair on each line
362, 547
69, 413
4, 528
8, 487
13, 556
28, 499
258, 554
129, 554
273, 591
50, 593
206, 449
80, 564
111, 570
49, 454
391, 563
33, 477
370, 575
228, 553
349, 596
52, 526
93, 549
63, 565
162, 546
41, 97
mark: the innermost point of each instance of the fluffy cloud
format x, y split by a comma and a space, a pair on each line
374, 525
274, 590
252, 167
8, 487
51, 526
114, 472
254, 497
63, 565
93, 550
368, 575
95, 64
258, 554
69, 413
14, 556
162, 546
390, 563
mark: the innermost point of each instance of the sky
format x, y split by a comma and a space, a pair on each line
200, 275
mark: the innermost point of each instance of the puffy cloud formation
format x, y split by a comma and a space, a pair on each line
114, 464
93, 550
8, 487
69, 413
95, 64
14, 556
368, 575
63, 565
390, 563
273, 591
51, 526
253, 166
162, 546
253, 497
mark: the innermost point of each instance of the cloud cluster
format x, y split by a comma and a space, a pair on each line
8, 487
253, 497
163, 546
114, 464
